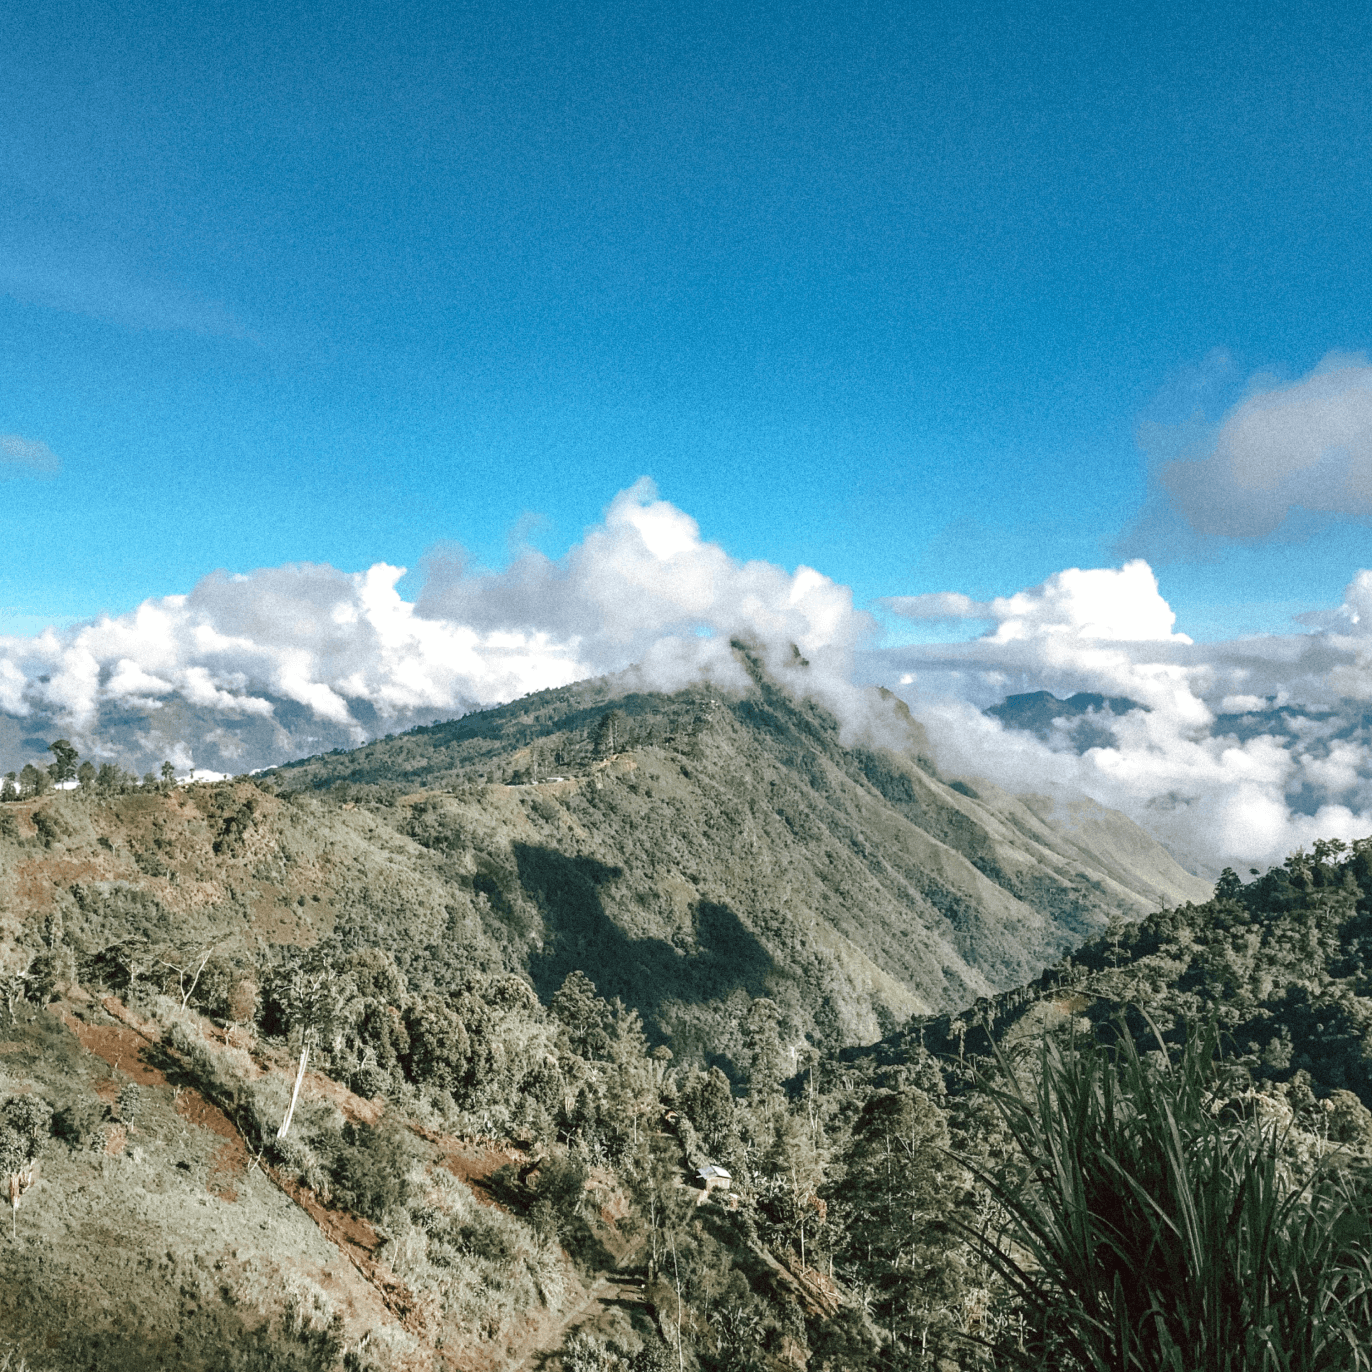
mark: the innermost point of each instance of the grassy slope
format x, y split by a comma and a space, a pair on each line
124, 1249
732, 848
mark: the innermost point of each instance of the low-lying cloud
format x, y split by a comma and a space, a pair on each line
1245, 748
1241, 751
253, 669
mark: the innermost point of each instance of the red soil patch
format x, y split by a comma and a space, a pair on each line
1073, 1005
473, 1163
231, 1161
356, 1108
120, 1047
228, 1163
62, 871
195, 1109
341, 1226
358, 1241
33, 890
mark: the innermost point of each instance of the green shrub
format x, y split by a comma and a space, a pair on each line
50, 827
369, 1169
25, 1123
215, 986
299, 1161
370, 1081
79, 1122
1149, 1234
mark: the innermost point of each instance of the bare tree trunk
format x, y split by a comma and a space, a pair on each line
299, 1077
680, 1357
195, 980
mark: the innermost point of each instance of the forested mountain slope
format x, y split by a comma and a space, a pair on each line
491, 1160
669, 837
1283, 964
684, 850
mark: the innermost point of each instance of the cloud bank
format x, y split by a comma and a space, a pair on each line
253, 669
1240, 751
1244, 749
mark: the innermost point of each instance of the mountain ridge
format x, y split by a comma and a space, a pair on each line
692, 849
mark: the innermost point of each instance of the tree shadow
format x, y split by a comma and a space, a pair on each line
646, 973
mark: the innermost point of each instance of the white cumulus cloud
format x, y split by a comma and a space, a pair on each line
1238, 751
346, 654
1241, 751
1300, 446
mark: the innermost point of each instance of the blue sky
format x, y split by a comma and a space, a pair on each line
884, 289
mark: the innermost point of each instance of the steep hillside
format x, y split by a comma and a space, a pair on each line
671, 836
687, 851
475, 1178
485, 1168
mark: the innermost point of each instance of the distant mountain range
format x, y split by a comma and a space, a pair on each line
1082, 719
209, 736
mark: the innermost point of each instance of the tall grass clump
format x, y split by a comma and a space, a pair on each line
1149, 1230
481, 1269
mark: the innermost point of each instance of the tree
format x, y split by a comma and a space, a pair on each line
190, 968
63, 768
242, 1002
607, 730
85, 774
318, 1004
14, 987
9, 789
653, 1174
899, 1187
762, 1042
708, 1102
1327, 848
168, 773
33, 781
586, 1018
437, 1048
25, 1121
1228, 887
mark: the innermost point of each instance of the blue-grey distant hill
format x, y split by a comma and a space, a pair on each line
1084, 719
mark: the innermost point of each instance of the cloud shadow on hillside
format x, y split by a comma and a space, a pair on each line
644, 972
